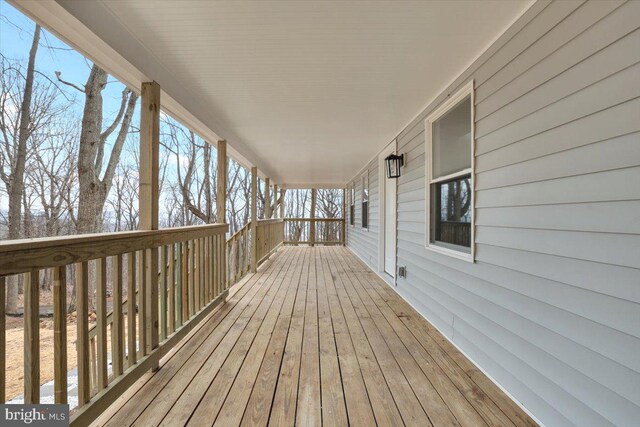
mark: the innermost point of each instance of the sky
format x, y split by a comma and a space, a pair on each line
16, 36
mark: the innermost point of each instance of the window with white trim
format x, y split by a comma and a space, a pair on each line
449, 134
365, 200
352, 204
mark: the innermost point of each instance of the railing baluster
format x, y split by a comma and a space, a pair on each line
142, 304
93, 367
171, 278
32, 337
117, 329
185, 282
82, 339
101, 318
217, 267
171, 320
196, 277
209, 261
131, 309
60, 334
3, 339
163, 292
151, 298
199, 261
192, 278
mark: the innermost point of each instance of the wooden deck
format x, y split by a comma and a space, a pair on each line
313, 338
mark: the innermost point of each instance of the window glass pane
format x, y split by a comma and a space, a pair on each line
453, 213
451, 140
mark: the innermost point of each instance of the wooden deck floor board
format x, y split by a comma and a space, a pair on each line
315, 338
258, 407
243, 329
145, 392
204, 362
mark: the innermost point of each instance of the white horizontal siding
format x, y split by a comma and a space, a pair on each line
551, 307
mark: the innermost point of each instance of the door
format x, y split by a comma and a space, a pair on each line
387, 240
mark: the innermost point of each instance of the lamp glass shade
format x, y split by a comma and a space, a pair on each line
393, 164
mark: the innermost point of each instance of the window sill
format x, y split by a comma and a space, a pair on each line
434, 247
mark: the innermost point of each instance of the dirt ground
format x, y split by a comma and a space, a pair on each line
15, 347
15, 352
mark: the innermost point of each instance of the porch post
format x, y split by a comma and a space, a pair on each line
282, 192
221, 203
221, 194
275, 200
267, 199
149, 190
254, 219
312, 223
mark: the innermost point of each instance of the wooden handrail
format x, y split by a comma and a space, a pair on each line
315, 219
21, 256
191, 275
302, 233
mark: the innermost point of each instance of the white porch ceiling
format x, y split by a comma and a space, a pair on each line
307, 91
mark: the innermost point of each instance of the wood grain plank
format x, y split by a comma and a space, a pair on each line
432, 402
309, 394
32, 337
359, 408
382, 399
131, 310
136, 399
233, 347
181, 395
59, 334
334, 410
243, 361
142, 303
117, 330
408, 404
82, 339
258, 407
101, 323
486, 398
3, 339
283, 409
171, 304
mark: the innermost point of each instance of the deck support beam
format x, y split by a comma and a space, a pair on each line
312, 223
275, 201
149, 202
254, 218
221, 199
282, 192
221, 194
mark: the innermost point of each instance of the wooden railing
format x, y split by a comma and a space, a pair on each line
238, 254
177, 276
454, 232
269, 235
328, 231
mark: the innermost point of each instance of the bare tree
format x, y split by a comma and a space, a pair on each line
194, 178
17, 158
94, 183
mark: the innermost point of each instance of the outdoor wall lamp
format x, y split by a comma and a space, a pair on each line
394, 163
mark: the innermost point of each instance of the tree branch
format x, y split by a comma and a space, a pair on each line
64, 82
